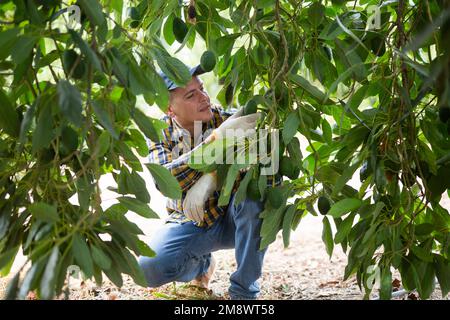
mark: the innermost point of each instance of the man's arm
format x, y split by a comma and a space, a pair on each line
160, 153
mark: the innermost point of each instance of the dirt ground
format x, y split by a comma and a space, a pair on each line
302, 271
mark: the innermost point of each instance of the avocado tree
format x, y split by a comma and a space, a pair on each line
364, 84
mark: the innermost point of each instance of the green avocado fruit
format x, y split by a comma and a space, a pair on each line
275, 197
324, 205
208, 61
179, 29
250, 107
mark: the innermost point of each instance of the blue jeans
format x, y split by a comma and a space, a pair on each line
183, 251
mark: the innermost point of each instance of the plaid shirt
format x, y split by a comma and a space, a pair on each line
161, 153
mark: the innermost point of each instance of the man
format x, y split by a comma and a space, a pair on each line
197, 226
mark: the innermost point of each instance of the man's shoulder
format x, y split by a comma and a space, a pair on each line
221, 112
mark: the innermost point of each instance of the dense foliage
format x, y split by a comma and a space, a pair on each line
364, 83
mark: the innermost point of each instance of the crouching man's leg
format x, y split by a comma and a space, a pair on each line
180, 256
249, 258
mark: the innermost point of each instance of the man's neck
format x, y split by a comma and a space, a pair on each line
187, 126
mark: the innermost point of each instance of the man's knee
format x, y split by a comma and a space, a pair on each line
157, 270
251, 209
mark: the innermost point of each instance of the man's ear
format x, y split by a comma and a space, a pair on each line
170, 111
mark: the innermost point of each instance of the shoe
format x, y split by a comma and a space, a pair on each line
203, 280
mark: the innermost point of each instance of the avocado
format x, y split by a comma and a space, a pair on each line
179, 29
133, 14
250, 107
208, 61
288, 168
275, 197
324, 205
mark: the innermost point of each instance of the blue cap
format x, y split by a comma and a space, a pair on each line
195, 71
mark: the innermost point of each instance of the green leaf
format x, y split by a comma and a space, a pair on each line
159, 90
167, 30
386, 284
344, 228
225, 193
356, 99
93, 10
22, 48
114, 276
69, 101
166, 182
272, 223
100, 258
4, 223
327, 236
147, 125
344, 178
27, 121
82, 254
144, 249
290, 127
104, 118
7, 258
225, 43
344, 206
262, 184
130, 158
47, 289
44, 133
313, 91
424, 229
173, 68
427, 281
12, 288
117, 5
7, 40
327, 132
31, 277
62, 267
139, 142
45, 212
138, 207
103, 143
295, 151
426, 154
272, 219
84, 191
316, 13
241, 192
136, 185
9, 120
422, 253
136, 271
287, 224
351, 59
261, 4
86, 50
442, 268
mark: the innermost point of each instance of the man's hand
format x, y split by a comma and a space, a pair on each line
236, 121
194, 203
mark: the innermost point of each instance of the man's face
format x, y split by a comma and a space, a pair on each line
190, 103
